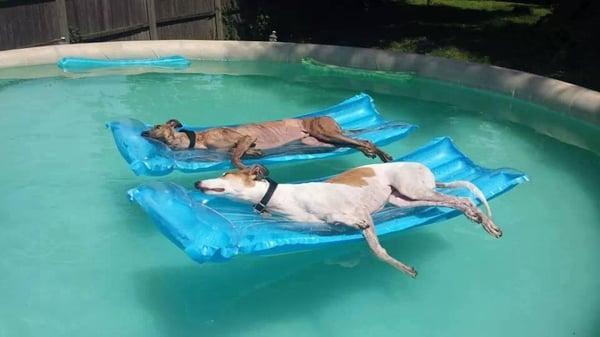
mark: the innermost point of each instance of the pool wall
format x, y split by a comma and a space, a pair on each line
576, 101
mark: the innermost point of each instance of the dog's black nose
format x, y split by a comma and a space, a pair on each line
145, 133
198, 184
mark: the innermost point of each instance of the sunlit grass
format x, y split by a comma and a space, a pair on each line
508, 13
452, 52
483, 5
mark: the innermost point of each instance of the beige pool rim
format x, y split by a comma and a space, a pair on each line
579, 102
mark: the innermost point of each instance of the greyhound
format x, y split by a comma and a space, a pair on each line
350, 198
252, 139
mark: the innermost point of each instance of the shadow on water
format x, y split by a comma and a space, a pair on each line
204, 299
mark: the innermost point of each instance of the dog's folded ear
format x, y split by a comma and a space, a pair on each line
174, 123
259, 171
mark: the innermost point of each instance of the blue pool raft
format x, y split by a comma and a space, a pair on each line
216, 229
357, 116
78, 64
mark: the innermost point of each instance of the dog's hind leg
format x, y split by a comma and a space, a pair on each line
368, 231
312, 141
326, 129
436, 199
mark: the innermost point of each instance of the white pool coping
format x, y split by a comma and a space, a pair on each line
579, 102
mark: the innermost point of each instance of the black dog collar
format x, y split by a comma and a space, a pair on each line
262, 205
191, 136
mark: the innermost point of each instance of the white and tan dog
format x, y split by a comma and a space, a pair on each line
350, 198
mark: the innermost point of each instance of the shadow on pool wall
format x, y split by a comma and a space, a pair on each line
492, 105
505, 108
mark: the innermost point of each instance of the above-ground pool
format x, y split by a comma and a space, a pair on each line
78, 259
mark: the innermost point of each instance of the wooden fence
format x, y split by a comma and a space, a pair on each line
41, 22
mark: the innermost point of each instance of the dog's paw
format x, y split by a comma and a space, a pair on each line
411, 272
494, 231
260, 171
491, 228
385, 157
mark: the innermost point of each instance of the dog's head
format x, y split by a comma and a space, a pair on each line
246, 184
163, 132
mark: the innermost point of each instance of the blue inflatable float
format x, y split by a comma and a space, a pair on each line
78, 64
357, 116
216, 229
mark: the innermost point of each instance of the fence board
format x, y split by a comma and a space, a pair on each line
198, 29
151, 8
38, 22
143, 35
63, 24
218, 20
28, 24
172, 8
189, 18
93, 16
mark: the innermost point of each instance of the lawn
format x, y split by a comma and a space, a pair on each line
460, 29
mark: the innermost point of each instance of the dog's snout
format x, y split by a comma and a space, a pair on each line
198, 185
145, 133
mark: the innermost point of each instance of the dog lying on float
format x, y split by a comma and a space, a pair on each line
350, 198
252, 139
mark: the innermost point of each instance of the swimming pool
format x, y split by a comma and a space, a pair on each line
79, 259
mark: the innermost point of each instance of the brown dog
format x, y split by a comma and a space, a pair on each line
251, 139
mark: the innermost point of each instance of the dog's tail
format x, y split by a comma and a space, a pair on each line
471, 187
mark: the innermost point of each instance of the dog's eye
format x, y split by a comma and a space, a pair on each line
224, 174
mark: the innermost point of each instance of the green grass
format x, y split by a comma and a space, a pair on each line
459, 54
505, 14
479, 5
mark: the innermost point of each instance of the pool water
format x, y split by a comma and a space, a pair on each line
78, 259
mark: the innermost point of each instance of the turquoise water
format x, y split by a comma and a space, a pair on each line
78, 259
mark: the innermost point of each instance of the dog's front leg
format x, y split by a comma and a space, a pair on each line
239, 149
242, 147
368, 231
